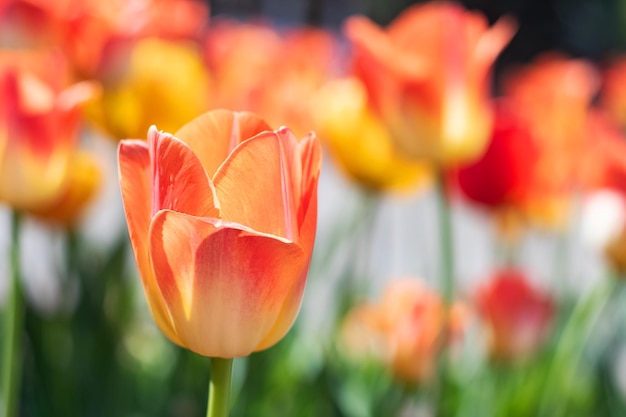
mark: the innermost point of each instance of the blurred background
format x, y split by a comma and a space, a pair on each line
537, 213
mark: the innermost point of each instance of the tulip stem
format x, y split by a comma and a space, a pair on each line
219, 387
446, 274
446, 247
13, 316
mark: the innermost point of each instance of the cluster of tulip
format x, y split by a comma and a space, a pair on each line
222, 212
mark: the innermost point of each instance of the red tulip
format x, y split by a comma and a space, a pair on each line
222, 220
517, 315
502, 175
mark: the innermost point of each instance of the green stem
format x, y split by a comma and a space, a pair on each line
446, 274
446, 248
11, 359
219, 387
571, 345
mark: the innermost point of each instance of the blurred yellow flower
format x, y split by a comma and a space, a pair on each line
78, 190
359, 142
165, 83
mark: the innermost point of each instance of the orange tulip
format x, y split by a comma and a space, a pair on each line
404, 331
517, 315
271, 73
90, 31
39, 124
428, 76
222, 220
552, 97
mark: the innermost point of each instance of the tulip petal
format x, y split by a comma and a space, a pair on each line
214, 134
179, 182
259, 185
492, 42
311, 157
135, 183
225, 286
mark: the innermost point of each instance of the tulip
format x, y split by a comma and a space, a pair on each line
501, 179
39, 124
360, 143
428, 77
91, 32
517, 315
552, 97
403, 331
259, 69
222, 219
79, 189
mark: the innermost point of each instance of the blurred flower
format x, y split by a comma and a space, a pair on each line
552, 97
39, 121
604, 179
222, 219
89, 32
163, 82
604, 159
517, 315
501, 179
273, 74
359, 141
79, 189
613, 94
428, 77
404, 330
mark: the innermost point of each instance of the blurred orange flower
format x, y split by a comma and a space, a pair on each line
404, 330
162, 82
89, 32
604, 160
552, 97
222, 219
39, 121
518, 316
359, 141
428, 77
271, 73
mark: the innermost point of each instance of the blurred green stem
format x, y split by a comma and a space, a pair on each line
446, 248
571, 344
446, 274
13, 316
219, 387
